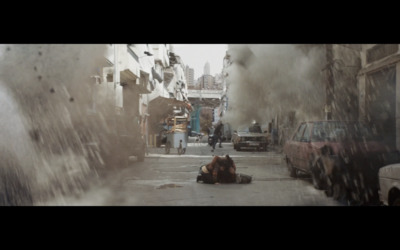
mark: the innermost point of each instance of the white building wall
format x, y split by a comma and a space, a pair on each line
161, 61
160, 52
126, 61
180, 86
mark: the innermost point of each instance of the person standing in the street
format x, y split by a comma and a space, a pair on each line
217, 135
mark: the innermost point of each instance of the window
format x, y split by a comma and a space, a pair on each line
380, 51
255, 129
300, 132
306, 135
329, 131
319, 132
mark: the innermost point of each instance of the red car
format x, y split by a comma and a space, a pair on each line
342, 157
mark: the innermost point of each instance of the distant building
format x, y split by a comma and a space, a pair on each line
189, 74
207, 69
218, 81
206, 82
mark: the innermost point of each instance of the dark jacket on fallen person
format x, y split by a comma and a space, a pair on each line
219, 170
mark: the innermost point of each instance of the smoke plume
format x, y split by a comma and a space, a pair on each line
265, 81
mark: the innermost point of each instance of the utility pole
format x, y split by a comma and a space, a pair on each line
329, 82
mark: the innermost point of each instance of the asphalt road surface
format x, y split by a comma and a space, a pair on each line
170, 180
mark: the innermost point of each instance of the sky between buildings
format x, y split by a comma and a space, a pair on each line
196, 56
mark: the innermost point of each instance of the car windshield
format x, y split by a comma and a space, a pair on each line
338, 131
251, 129
243, 129
255, 129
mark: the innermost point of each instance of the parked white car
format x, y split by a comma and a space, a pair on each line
389, 184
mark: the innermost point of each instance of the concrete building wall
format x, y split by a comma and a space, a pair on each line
346, 64
379, 85
160, 52
127, 61
161, 62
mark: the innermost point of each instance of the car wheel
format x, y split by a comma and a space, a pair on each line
317, 175
292, 170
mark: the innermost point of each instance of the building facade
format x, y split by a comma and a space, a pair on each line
379, 88
206, 82
149, 78
189, 74
207, 69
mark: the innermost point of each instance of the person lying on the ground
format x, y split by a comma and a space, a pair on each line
219, 170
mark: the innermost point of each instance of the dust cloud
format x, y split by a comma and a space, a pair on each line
44, 93
267, 80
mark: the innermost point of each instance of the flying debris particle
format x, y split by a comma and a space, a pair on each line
34, 134
40, 53
71, 99
34, 68
52, 90
8, 48
40, 78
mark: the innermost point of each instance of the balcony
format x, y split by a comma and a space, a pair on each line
133, 54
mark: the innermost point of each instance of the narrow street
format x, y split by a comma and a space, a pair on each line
170, 180
82, 124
